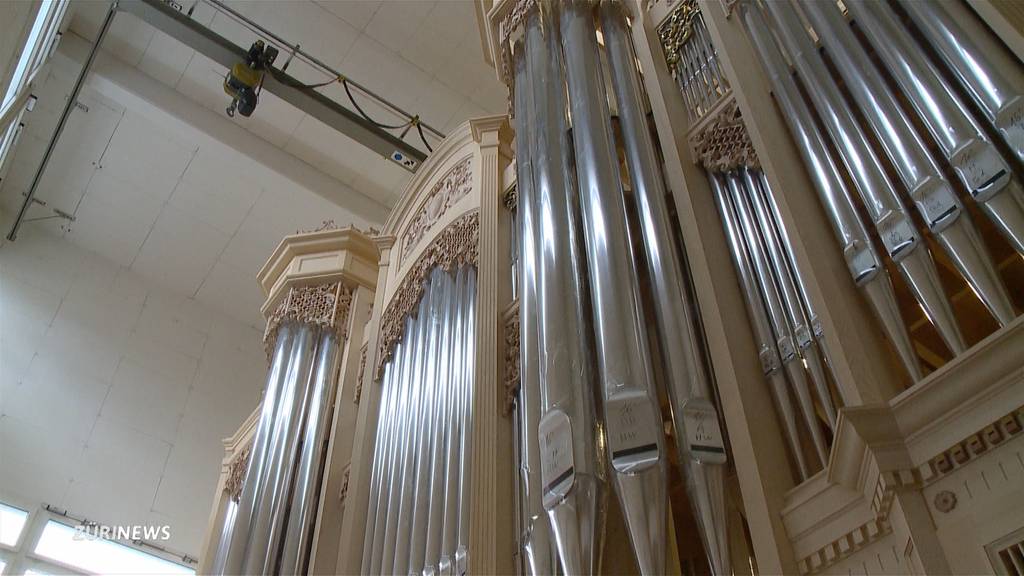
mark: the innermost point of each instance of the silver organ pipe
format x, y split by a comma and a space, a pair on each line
631, 416
465, 391
535, 540
768, 352
793, 299
420, 465
999, 93
780, 325
688, 387
974, 158
572, 479
275, 516
920, 174
298, 538
901, 240
862, 259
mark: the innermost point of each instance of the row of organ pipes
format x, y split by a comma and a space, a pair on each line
418, 516
575, 250
931, 58
923, 97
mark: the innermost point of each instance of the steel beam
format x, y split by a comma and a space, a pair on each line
179, 26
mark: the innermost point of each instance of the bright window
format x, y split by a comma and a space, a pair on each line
12, 520
71, 547
2, 565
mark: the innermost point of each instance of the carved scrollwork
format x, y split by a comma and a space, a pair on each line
324, 305
512, 367
448, 190
676, 31
456, 245
236, 474
722, 143
358, 393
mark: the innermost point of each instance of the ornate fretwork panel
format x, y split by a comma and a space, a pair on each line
448, 190
721, 143
325, 306
456, 245
512, 366
692, 59
236, 474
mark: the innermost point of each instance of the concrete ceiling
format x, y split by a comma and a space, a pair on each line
161, 181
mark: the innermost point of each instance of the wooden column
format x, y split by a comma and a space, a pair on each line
492, 515
337, 470
353, 524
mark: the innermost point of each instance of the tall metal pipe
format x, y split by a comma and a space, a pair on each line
567, 430
631, 415
256, 470
862, 259
450, 522
776, 315
305, 498
404, 437
220, 556
767, 351
433, 375
969, 53
422, 380
386, 422
932, 194
535, 540
975, 159
437, 490
687, 383
799, 325
902, 241
468, 304
780, 239
260, 554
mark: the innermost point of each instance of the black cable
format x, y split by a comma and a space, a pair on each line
344, 82
419, 128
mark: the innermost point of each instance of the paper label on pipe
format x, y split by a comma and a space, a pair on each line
982, 169
632, 429
1010, 122
557, 471
702, 436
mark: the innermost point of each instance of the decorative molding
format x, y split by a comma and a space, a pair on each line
343, 493
945, 501
236, 473
358, 393
325, 306
886, 487
451, 188
512, 367
676, 30
721, 143
961, 453
510, 199
330, 224
458, 244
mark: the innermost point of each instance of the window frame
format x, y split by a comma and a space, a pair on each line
22, 557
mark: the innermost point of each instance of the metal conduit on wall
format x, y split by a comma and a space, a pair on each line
416, 521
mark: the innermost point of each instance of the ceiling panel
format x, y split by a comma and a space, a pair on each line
357, 13
166, 59
146, 155
397, 20
180, 250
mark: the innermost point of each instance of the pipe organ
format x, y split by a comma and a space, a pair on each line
735, 288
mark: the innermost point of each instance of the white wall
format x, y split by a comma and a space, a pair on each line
114, 394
